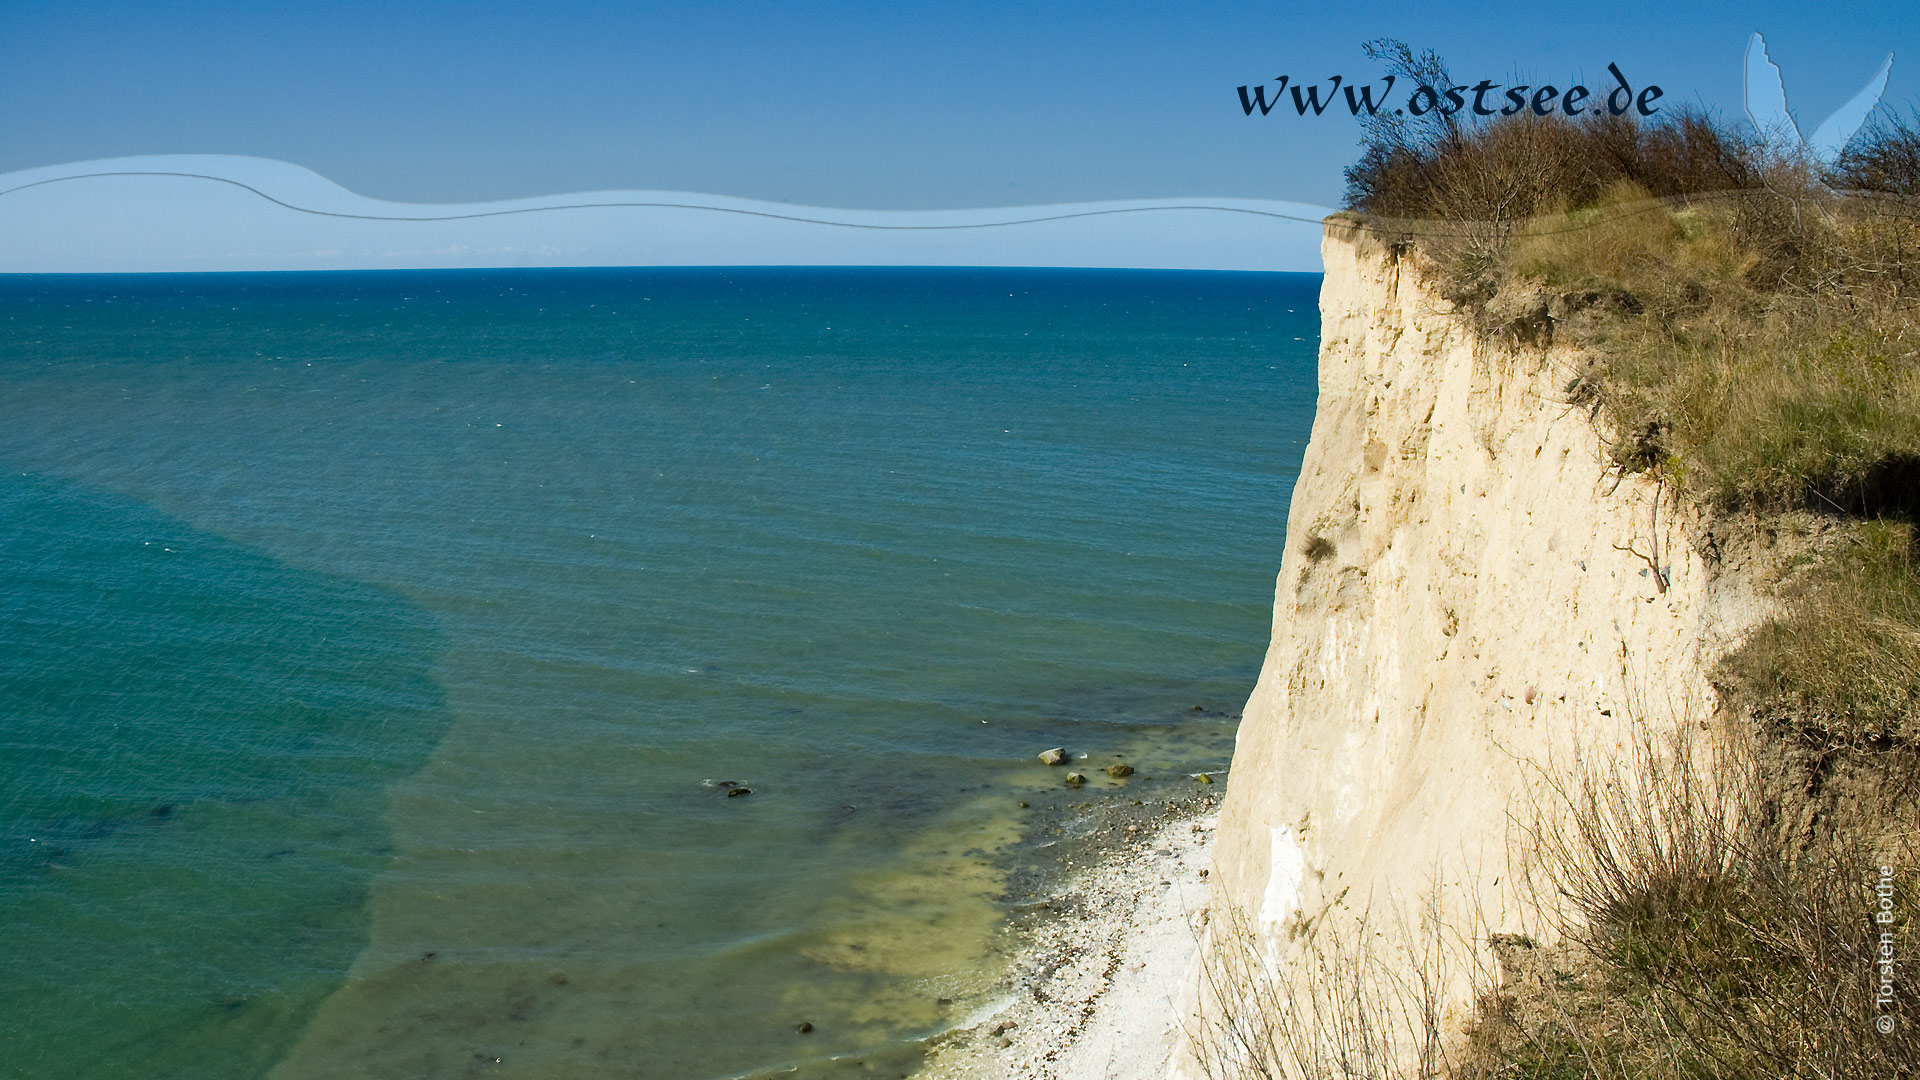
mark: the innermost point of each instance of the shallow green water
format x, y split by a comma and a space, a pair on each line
368, 642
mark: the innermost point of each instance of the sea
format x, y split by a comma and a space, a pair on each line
601, 672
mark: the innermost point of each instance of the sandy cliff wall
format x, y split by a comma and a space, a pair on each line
1463, 591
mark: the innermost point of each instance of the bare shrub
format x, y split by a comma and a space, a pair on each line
1885, 158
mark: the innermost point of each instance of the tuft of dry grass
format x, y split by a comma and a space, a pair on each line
1338, 1010
1317, 548
1840, 666
1707, 934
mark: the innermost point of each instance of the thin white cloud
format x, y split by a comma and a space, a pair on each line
196, 212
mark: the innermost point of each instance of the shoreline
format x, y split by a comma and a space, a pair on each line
1105, 936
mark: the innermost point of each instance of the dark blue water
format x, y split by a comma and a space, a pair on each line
372, 645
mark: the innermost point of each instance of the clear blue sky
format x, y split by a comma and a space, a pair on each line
874, 105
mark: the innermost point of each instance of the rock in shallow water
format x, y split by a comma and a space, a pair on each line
1120, 770
1055, 756
1076, 779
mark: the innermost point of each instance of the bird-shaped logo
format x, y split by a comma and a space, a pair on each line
1766, 101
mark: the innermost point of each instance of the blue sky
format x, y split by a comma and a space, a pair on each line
857, 105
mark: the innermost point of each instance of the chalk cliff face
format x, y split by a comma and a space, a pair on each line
1468, 595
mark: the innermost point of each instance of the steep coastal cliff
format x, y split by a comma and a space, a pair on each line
1470, 600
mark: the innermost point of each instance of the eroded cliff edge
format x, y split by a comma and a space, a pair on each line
1471, 599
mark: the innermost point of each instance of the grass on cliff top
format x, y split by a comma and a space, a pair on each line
1748, 324
1747, 381
1755, 319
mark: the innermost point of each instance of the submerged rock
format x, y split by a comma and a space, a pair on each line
1055, 756
1119, 770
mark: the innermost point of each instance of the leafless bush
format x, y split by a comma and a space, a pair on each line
1885, 158
1521, 166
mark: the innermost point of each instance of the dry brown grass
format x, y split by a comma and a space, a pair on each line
1334, 1008
1705, 929
1742, 399
1317, 548
1840, 665
1721, 938
1464, 192
1708, 930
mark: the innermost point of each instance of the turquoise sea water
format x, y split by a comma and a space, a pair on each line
372, 646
